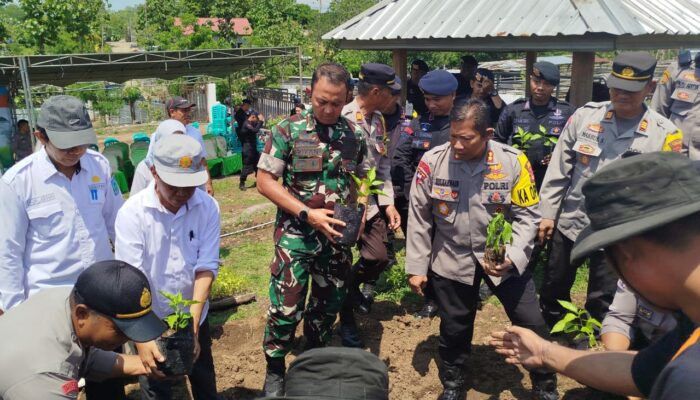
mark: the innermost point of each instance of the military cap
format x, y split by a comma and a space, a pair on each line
546, 71
121, 292
438, 82
634, 195
337, 373
631, 71
379, 74
482, 73
422, 65
469, 60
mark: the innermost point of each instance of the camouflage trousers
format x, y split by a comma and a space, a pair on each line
289, 281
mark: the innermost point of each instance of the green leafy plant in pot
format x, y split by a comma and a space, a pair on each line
499, 233
352, 214
177, 343
578, 322
523, 140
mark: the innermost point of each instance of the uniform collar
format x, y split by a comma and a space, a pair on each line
353, 112
642, 127
45, 164
552, 105
152, 200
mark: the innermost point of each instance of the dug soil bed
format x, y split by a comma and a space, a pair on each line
407, 345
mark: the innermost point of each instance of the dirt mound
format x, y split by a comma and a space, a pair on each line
407, 345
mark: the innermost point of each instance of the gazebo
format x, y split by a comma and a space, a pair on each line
580, 26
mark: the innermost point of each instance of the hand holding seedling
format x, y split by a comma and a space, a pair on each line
322, 220
150, 355
497, 269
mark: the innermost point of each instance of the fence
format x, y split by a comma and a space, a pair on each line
272, 102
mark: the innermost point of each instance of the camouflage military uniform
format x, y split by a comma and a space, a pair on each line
314, 163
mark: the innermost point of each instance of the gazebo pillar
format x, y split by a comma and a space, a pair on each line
398, 58
530, 59
581, 78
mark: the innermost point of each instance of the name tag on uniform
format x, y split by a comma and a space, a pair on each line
308, 152
313, 164
587, 148
686, 94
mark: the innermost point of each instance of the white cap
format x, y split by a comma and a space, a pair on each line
178, 161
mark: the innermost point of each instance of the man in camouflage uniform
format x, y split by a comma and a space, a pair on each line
596, 135
677, 97
458, 188
314, 153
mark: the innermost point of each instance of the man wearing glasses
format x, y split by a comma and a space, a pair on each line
58, 211
539, 114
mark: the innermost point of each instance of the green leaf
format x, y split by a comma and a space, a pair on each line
571, 329
559, 326
579, 336
591, 341
569, 306
543, 130
371, 175
171, 321
587, 330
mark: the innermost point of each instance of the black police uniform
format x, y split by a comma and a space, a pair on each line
531, 118
415, 96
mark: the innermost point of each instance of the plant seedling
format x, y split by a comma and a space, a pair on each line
523, 139
577, 321
499, 233
179, 319
367, 186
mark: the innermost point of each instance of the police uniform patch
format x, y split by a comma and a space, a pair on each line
673, 142
644, 125
665, 77
585, 160
627, 72
489, 157
115, 188
496, 198
596, 128
524, 192
495, 172
609, 115
586, 149
70, 388
358, 116
422, 172
443, 209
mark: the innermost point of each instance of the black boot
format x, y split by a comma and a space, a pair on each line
351, 337
452, 378
365, 300
241, 186
274, 377
429, 310
544, 385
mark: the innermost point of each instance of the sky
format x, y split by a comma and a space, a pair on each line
120, 4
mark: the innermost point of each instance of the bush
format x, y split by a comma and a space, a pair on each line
226, 284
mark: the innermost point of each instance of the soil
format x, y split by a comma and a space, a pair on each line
494, 258
407, 345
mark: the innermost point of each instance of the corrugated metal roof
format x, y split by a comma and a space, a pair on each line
435, 20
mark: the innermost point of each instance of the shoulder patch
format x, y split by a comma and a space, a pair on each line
665, 77
524, 191
115, 188
422, 172
70, 388
673, 141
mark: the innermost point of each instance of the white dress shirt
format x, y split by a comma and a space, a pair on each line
53, 227
169, 248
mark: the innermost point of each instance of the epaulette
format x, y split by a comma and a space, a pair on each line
594, 104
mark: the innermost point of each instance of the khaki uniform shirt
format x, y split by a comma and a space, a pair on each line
452, 203
377, 148
677, 97
41, 355
589, 142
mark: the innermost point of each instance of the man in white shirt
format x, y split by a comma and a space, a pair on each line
59, 207
170, 231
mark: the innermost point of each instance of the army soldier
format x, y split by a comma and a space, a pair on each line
632, 322
414, 94
457, 189
596, 134
314, 153
431, 130
374, 91
677, 97
62, 334
541, 113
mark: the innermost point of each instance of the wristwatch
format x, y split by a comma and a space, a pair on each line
304, 214
493, 93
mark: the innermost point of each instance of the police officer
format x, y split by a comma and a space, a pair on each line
677, 97
248, 136
61, 334
596, 134
421, 135
374, 92
314, 154
414, 94
540, 114
632, 322
467, 70
483, 89
458, 188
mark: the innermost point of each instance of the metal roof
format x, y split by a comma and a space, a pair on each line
64, 69
503, 25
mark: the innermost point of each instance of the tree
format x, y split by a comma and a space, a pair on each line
131, 95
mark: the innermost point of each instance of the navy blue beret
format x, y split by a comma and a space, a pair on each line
438, 82
547, 71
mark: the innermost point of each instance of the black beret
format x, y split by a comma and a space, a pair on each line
547, 71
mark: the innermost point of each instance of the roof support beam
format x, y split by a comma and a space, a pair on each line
530, 59
582, 78
398, 58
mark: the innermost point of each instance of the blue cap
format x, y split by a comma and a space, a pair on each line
438, 82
